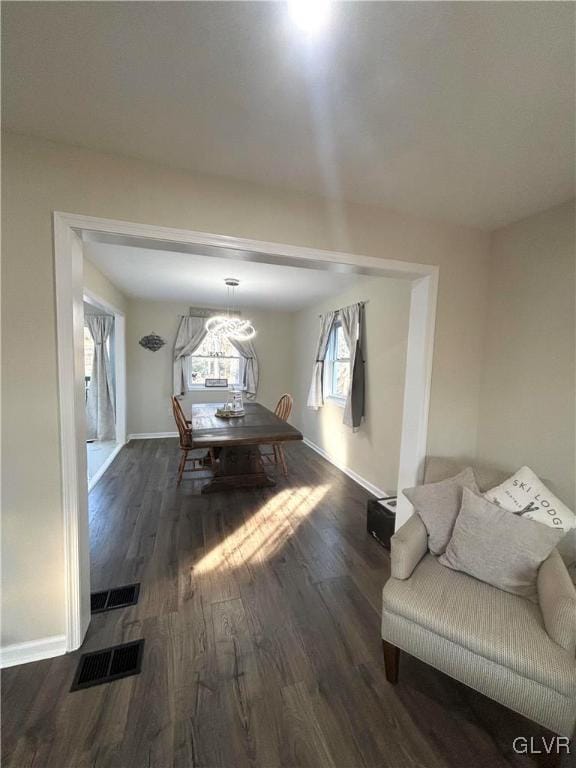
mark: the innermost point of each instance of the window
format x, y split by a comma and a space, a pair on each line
215, 358
337, 369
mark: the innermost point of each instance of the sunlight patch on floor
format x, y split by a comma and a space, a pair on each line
263, 533
97, 453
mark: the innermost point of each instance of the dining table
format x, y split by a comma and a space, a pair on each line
238, 441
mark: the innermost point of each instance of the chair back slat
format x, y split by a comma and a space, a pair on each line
284, 407
183, 429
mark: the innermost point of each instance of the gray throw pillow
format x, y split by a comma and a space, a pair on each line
438, 505
499, 547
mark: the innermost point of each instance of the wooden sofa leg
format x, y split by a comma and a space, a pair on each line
391, 661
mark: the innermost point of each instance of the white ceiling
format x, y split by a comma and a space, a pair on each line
459, 111
199, 280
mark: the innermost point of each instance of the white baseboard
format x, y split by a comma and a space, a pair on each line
151, 435
34, 650
109, 459
370, 487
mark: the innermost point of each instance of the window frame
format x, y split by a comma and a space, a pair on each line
192, 387
329, 367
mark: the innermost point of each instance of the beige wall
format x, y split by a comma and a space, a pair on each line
99, 284
373, 451
40, 177
528, 387
149, 374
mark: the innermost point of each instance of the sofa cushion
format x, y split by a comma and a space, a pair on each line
438, 505
439, 468
498, 547
525, 494
499, 626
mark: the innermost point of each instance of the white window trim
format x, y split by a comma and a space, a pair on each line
204, 388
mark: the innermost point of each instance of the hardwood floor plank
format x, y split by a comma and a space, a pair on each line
307, 743
17, 701
384, 731
149, 733
27, 753
246, 707
279, 646
358, 624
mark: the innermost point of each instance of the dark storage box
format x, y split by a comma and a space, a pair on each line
381, 518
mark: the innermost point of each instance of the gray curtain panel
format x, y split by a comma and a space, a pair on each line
191, 333
251, 372
99, 402
316, 392
351, 319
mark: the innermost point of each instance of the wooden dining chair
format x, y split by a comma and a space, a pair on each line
186, 444
177, 404
283, 410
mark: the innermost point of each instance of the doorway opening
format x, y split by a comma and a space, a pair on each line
104, 363
72, 231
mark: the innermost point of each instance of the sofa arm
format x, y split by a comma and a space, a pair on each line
407, 547
557, 598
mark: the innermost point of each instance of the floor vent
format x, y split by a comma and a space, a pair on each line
120, 597
108, 665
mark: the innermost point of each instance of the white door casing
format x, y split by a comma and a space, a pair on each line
68, 231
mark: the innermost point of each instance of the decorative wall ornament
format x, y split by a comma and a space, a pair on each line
152, 342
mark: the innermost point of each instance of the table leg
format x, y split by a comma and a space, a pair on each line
238, 466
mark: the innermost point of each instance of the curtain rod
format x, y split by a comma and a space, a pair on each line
362, 304
208, 312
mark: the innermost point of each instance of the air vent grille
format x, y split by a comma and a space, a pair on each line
108, 665
119, 597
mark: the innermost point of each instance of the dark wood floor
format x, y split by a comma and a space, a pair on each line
261, 614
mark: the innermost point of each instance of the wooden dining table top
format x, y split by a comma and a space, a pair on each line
258, 426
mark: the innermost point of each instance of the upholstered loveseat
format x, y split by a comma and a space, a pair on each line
518, 653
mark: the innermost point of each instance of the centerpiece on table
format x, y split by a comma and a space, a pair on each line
233, 408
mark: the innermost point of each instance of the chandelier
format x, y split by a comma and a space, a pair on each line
230, 325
